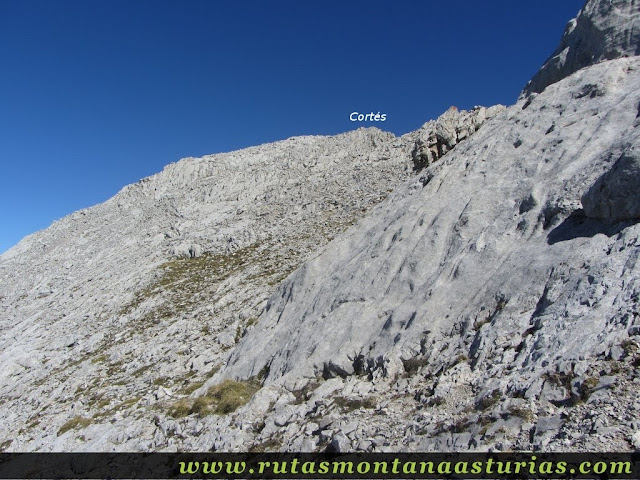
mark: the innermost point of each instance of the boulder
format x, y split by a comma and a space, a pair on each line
187, 250
616, 194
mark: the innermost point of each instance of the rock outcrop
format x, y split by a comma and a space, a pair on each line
616, 194
603, 30
437, 137
484, 286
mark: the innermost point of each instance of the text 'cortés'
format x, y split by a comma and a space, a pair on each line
367, 117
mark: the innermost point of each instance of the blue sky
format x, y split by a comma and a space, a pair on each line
95, 94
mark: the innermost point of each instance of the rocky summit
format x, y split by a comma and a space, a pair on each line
472, 285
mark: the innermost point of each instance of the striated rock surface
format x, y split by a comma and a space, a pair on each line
491, 259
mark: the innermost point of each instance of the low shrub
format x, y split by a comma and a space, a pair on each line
75, 422
221, 399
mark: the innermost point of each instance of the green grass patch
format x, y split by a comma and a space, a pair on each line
181, 408
271, 445
522, 412
182, 284
161, 381
192, 387
75, 423
221, 399
304, 394
100, 359
118, 408
350, 404
103, 402
189, 386
231, 395
489, 401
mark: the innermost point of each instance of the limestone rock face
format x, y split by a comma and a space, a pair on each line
603, 30
151, 288
498, 217
437, 137
482, 285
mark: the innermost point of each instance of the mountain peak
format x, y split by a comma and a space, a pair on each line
603, 30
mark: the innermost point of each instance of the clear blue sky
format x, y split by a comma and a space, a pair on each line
95, 95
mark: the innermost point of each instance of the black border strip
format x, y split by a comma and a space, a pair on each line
399, 465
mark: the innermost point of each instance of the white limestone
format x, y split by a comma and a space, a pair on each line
473, 291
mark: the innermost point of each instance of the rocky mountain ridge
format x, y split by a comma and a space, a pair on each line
470, 285
543, 322
134, 302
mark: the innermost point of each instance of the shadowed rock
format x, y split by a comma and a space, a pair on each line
616, 194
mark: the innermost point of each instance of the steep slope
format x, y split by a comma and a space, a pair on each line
487, 224
105, 307
114, 312
484, 288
